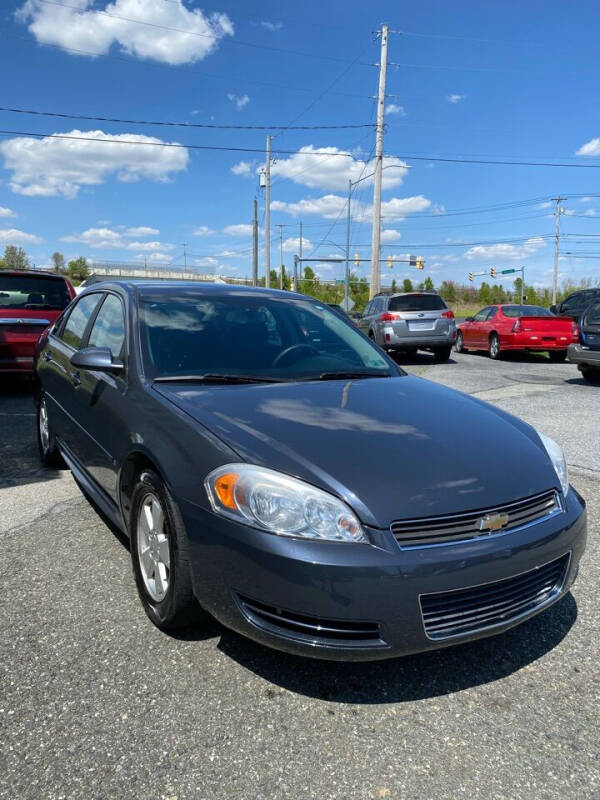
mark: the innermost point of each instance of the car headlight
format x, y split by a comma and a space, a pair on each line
279, 504
557, 457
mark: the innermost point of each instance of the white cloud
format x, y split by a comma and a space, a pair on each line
172, 34
6, 212
292, 244
590, 212
108, 239
510, 251
390, 235
271, 26
569, 212
156, 258
243, 168
393, 108
50, 167
239, 100
141, 230
238, 230
587, 199
455, 98
335, 169
15, 236
330, 206
203, 230
207, 261
546, 204
591, 148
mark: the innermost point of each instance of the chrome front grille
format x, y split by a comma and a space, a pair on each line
472, 524
457, 613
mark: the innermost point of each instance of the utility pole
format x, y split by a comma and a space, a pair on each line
557, 213
255, 245
281, 227
268, 215
185, 255
347, 273
376, 238
300, 251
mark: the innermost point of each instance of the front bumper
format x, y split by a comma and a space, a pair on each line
578, 354
359, 602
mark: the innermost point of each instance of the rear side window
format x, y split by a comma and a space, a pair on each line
33, 293
593, 315
526, 311
77, 321
417, 302
108, 329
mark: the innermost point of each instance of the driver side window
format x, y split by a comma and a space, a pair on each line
482, 315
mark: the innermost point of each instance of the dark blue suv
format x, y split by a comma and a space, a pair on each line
586, 354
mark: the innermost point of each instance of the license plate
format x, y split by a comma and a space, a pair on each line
421, 325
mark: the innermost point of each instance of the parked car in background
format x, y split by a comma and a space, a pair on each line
586, 354
232, 434
29, 302
500, 328
575, 304
410, 321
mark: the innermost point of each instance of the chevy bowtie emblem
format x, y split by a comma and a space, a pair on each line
493, 522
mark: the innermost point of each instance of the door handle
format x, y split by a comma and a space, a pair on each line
75, 379
47, 356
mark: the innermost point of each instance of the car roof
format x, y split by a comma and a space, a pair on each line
405, 294
143, 286
36, 273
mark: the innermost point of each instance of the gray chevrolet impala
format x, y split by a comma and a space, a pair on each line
273, 467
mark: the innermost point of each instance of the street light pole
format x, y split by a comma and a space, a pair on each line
347, 281
376, 238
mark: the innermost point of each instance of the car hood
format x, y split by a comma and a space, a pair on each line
393, 448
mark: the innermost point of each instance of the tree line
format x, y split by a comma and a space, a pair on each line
16, 258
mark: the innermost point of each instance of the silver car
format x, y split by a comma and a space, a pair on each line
410, 321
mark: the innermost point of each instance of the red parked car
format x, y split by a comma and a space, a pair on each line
499, 328
29, 302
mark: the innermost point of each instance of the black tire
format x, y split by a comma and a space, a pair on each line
590, 374
459, 345
49, 452
557, 356
441, 353
178, 608
494, 351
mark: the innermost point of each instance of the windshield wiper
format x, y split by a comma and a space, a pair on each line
215, 377
334, 376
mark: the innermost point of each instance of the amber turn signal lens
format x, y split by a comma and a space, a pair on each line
224, 487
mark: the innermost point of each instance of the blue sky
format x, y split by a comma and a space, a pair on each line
495, 80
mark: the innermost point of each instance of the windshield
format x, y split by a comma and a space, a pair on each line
526, 311
416, 302
33, 292
250, 334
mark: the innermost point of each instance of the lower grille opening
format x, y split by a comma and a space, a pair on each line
312, 630
457, 613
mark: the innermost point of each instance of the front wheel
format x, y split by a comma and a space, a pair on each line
49, 452
459, 345
442, 353
159, 555
557, 356
494, 347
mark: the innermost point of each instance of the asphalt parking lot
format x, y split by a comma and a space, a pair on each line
96, 703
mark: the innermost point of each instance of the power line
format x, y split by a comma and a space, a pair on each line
213, 37
497, 163
62, 115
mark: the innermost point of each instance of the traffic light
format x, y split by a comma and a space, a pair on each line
471, 277
390, 261
356, 260
412, 261
420, 263
493, 272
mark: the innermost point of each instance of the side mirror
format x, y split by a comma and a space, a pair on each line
96, 359
469, 319
553, 309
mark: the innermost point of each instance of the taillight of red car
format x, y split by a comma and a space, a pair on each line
575, 331
448, 314
516, 328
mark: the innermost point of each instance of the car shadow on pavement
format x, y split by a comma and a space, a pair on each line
415, 677
420, 359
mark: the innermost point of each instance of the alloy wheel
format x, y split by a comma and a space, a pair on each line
43, 425
153, 547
